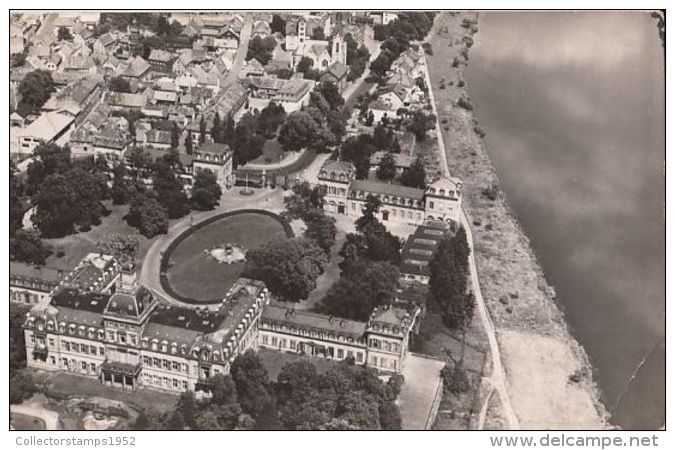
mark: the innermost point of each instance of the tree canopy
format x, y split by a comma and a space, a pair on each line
289, 267
36, 88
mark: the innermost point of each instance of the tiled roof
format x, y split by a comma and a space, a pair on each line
28, 271
375, 187
319, 322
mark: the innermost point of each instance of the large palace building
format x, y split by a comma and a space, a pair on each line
119, 332
442, 200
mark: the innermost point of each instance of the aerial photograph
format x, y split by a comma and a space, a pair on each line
337, 220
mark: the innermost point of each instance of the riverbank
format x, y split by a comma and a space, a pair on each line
548, 375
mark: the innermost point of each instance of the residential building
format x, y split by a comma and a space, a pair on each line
31, 284
347, 195
216, 158
336, 73
381, 342
47, 129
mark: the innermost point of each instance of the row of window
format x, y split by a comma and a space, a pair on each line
313, 334
24, 297
384, 345
165, 364
76, 347
296, 345
164, 382
385, 363
72, 365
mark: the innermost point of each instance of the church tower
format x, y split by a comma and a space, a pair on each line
339, 49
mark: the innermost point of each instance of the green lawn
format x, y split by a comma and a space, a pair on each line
194, 274
272, 153
66, 384
77, 246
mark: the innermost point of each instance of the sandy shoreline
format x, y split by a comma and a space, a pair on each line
549, 376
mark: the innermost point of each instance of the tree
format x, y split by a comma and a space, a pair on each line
147, 215
120, 190
358, 150
270, 118
421, 123
299, 131
64, 34
16, 207
415, 175
21, 387
119, 84
448, 281
202, 131
303, 200
367, 285
367, 218
168, 187
321, 229
188, 144
120, 246
386, 170
217, 129
17, 342
261, 49
380, 65
304, 64
26, 246
70, 199
36, 87
50, 159
252, 383
278, 24
206, 191
289, 267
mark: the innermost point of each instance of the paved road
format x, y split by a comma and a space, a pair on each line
498, 377
231, 200
47, 27
238, 63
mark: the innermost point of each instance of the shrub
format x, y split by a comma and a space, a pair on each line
455, 379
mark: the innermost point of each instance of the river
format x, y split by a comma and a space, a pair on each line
573, 106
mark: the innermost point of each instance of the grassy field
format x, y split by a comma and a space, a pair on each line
196, 275
272, 153
69, 250
65, 384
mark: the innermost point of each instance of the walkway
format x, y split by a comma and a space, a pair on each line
231, 200
238, 63
497, 378
419, 394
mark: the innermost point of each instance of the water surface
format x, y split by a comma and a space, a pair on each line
573, 106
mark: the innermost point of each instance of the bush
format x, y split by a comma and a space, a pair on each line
455, 379
491, 192
465, 103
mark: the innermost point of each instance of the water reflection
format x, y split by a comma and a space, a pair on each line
574, 109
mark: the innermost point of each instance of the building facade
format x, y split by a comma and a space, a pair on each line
442, 200
127, 339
